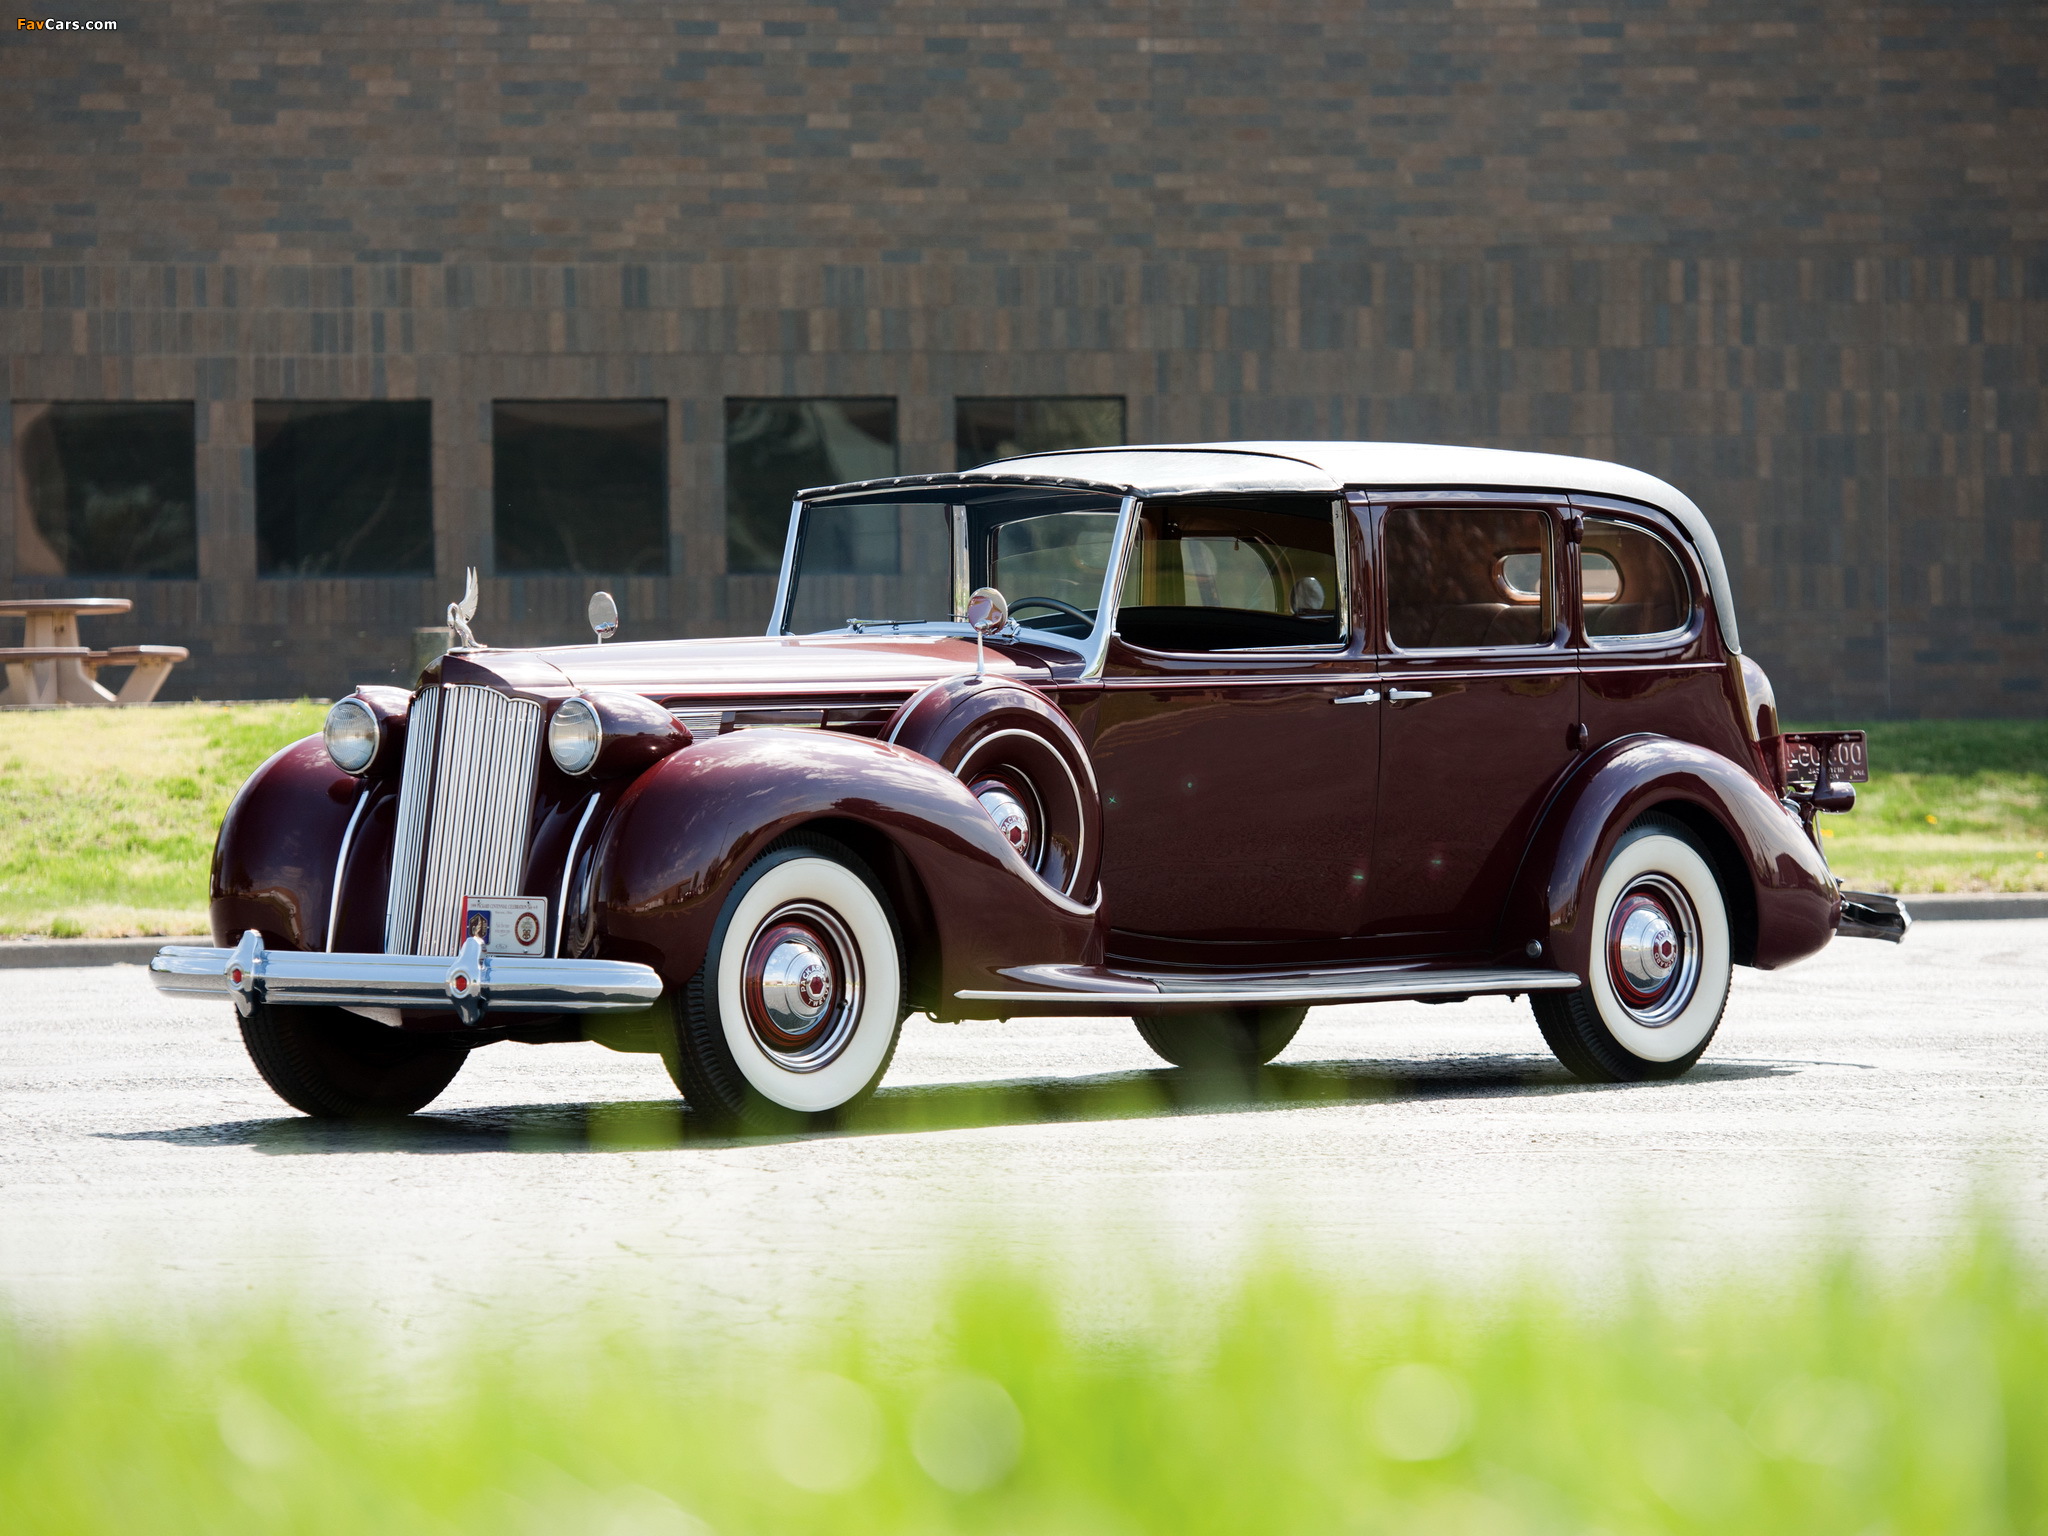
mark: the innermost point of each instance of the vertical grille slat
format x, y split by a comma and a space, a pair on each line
464, 811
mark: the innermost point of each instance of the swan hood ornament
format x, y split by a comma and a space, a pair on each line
459, 615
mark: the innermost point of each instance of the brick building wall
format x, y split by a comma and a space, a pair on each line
1790, 254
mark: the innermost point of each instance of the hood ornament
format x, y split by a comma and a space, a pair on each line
459, 615
604, 616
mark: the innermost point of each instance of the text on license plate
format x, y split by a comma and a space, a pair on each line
508, 925
1848, 756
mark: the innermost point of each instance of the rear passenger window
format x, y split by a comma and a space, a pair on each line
1633, 583
1460, 578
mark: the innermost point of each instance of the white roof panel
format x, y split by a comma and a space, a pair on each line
1178, 468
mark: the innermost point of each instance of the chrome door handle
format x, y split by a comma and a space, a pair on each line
1409, 695
1370, 696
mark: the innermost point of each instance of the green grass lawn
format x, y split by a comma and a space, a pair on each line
1810, 1405
107, 817
1952, 805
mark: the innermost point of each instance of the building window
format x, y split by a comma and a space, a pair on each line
775, 448
581, 485
344, 488
988, 429
106, 487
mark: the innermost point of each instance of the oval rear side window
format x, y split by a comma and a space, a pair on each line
1632, 582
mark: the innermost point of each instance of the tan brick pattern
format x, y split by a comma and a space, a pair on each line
1793, 256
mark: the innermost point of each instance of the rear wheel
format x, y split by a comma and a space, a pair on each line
1660, 967
1229, 1038
794, 1015
337, 1065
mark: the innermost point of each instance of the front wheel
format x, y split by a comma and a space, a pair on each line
1234, 1039
1660, 966
794, 1014
336, 1065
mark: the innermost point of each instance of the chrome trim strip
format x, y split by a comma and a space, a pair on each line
778, 614
569, 869
515, 984
415, 794
1330, 987
348, 837
1097, 654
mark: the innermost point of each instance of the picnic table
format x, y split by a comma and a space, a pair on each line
52, 667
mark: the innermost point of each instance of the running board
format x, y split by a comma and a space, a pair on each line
1873, 915
1094, 988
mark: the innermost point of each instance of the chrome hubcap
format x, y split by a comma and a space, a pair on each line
796, 984
1653, 950
1010, 817
801, 986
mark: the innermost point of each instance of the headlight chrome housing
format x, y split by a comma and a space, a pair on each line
353, 734
575, 736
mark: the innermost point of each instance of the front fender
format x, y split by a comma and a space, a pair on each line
1782, 901
691, 825
273, 863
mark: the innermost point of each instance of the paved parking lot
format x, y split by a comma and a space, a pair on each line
1875, 1090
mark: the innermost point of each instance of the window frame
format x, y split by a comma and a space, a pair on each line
1643, 522
1557, 512
1340, 518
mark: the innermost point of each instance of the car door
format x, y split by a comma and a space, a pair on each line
1481, 711
1234, 740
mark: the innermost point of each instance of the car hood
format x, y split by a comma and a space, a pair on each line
781, 665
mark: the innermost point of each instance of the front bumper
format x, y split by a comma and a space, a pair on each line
472, 983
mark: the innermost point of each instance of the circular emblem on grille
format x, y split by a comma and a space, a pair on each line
527, 929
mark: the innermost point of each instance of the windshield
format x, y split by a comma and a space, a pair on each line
897, 564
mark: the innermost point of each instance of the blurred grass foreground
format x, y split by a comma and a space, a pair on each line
1825, 1403
107, 817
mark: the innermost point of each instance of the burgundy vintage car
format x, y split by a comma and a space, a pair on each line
1260, 726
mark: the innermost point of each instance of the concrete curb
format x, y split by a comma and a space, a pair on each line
1975, 906
16, 954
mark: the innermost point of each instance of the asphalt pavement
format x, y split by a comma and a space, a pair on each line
1875, 1094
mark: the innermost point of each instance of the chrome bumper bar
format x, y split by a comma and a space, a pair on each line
1873, 915
471, 984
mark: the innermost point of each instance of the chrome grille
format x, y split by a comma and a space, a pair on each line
463, 812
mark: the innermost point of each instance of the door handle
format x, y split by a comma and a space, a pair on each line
1409, 695
1370, 696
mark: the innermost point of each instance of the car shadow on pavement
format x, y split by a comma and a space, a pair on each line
629, 1125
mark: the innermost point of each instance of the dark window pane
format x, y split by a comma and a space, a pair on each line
989, 429
581, 485
775, 448
1632, 582
107, 488
1458, 579
344, 488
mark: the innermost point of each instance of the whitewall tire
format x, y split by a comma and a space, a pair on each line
795, 1013
1660, 964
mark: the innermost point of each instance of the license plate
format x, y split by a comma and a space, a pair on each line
508, 925
1848, 756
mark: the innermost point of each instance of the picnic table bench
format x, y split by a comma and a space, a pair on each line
53, 668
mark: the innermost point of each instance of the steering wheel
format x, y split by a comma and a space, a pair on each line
1087, 619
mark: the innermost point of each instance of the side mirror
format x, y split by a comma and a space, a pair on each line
604, 616
987, 610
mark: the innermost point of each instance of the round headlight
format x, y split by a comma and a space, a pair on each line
574, 736
352, 735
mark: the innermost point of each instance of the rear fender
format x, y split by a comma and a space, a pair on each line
692, 824
1783, 903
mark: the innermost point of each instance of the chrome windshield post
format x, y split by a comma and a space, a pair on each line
778, 616
956, 521
1112, 586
